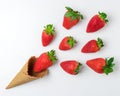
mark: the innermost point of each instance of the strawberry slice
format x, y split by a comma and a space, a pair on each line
71, 66
101, 65
92, 46
97, 22
71, 18
48, 34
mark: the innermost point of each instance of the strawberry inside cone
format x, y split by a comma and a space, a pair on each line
31, 63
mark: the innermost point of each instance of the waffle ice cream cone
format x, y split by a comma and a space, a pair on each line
26, 74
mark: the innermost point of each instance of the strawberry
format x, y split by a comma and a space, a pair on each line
47, 34
71, 66
44, 61
92, 46
67, 43
97, 22
101, 65
71, 18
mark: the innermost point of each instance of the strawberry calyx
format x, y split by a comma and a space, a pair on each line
103, 16
100, 43
78, 68
49, 29
52, 56
71, 41
108, 68
73, 14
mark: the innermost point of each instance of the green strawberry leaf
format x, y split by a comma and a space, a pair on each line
100, 42
69, 14
110, 60
49, 29
71, 41
73, 14
108, 68
69, 9
78, 68
52, 56
103, 16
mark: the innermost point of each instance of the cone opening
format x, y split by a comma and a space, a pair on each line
31, 63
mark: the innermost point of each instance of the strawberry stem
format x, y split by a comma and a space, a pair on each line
49, 29
100, 43
71, 41
103, 16
52, 56
73, 14
108, 68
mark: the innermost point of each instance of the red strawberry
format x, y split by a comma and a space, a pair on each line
97, 22
71, 18
67, 43
101, 65
92, 46
47, 34
44, 61
71, 66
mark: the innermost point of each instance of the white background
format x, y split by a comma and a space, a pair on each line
21, 24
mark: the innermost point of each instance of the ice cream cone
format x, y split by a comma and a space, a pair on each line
26, 74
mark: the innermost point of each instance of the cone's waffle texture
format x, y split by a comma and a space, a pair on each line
26, 74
